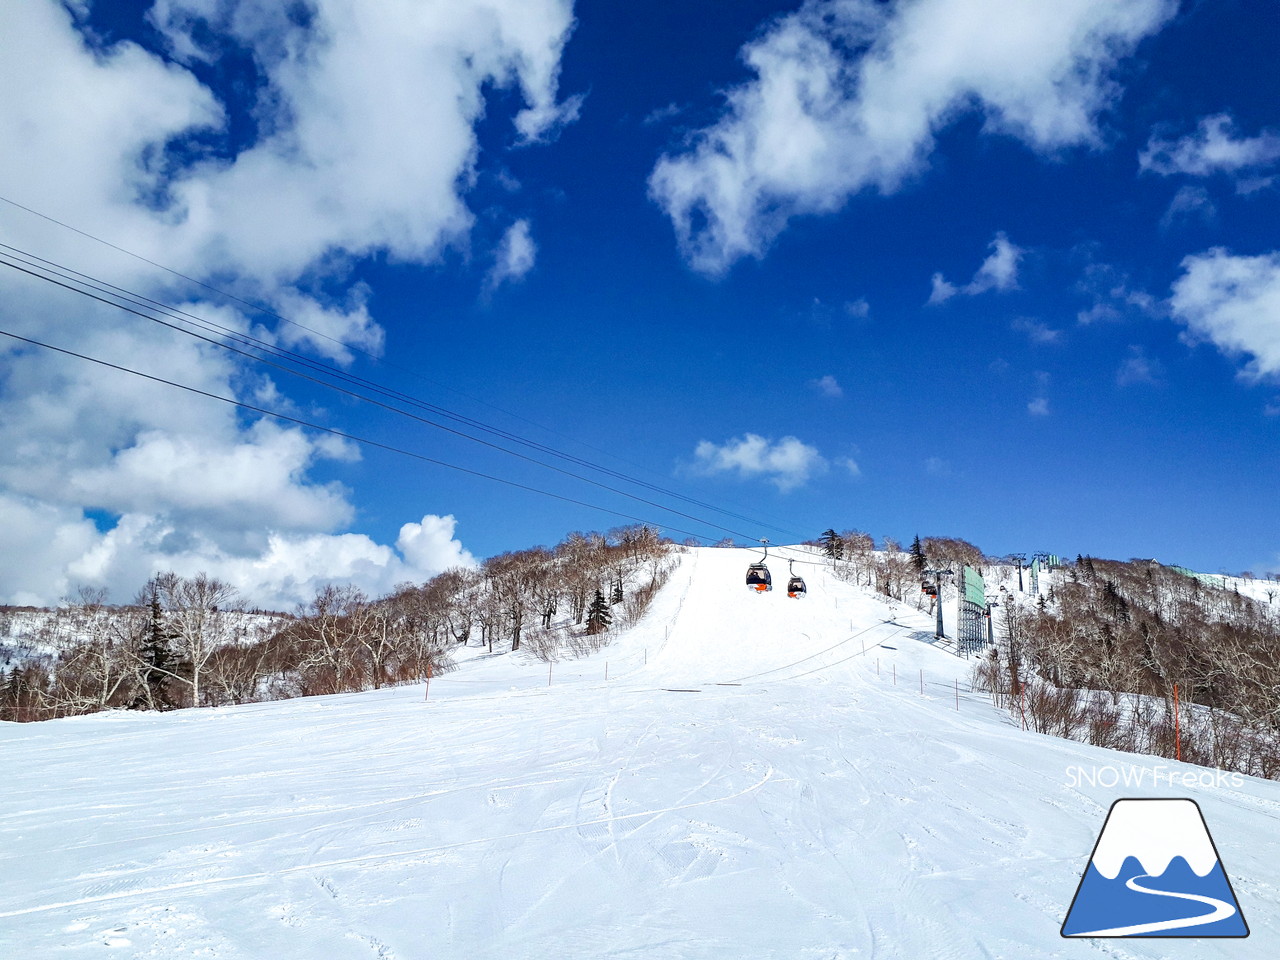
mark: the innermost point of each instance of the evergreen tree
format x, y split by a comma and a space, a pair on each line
832, 544
11, 695
158, 662
917, 557
617, 591
598, 616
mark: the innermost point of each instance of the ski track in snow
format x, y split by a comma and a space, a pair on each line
815, 811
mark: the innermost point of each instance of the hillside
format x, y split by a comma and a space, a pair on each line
748, 782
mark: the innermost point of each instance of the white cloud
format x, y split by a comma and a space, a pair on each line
1189, 202
1234, 302
515, 256
999, 271
1036, 330
787, 463
1138, 368
1038, 406
1113, 296
1213, 148
367, 116
848, 95
62, 550
366, 144
828, 386
942, 290
429, 546
859, 308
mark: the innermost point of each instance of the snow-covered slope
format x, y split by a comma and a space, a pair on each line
823, 807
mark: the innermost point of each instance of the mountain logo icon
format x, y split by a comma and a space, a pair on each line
1155, 872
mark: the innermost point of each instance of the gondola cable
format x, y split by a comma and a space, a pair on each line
306, 376
343, 434
258, 308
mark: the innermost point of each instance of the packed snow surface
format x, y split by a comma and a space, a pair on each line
758, 777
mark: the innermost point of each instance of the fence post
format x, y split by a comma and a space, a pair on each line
548, 674
606, 671
895, 673
427, 695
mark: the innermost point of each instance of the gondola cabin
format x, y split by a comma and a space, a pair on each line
929, 589
758, 578
796, 588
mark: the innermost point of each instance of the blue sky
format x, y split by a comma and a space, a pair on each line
957, 267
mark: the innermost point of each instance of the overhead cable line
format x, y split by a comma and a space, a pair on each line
106, 299
265, 311
111, 294
343, 434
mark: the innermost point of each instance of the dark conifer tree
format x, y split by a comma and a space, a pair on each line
158, 663
832, 544
11, 694
918, 561
598, 616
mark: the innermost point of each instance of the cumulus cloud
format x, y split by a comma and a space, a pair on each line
61, 550
860, 309
1234, 302
1138, 368
1213, 148
1190, 202
361, 141
828, 386
848, 95
1036, 330
999, 271
1113, 296
786, 463
515, 256
1038, 406
942, 290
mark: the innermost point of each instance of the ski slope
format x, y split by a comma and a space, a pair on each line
822, 806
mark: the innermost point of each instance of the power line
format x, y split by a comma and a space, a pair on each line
343, 434
110, 295
259, 308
